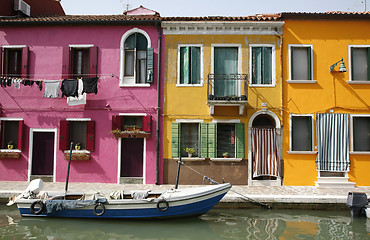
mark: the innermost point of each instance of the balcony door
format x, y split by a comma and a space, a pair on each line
225, 65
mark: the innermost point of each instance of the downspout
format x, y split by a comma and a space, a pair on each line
158, 25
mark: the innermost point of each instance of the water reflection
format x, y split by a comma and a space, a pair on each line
217, 224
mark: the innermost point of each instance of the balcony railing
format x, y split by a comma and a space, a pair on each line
227, 87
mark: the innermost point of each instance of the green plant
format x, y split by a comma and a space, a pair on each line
78, 146
225, 154
190, 150
116, 131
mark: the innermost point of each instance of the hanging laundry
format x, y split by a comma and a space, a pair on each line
69, 88
90, 85
17, 83
51, 89
39, 83
80, 99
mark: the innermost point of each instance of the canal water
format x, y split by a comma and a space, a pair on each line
217, 224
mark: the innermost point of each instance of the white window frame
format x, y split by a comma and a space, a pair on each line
290, 46
178, 84
273, 63
352, 137
291, 151
10, 119
122, 79
78, 120
239, 46
350, 80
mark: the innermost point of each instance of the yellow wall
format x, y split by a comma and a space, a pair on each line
330, 40
191, 102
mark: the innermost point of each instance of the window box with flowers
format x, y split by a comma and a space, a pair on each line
131, 127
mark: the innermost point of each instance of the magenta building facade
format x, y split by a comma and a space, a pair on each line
108, 66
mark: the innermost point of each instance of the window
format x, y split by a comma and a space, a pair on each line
77, 130
301, 62
262, 65
210, 140
137, 58
360, 63
80, 61
301, 133
189, 62
14, 61
361, 133
11, 130
131, 126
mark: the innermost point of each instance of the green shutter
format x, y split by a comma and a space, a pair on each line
149, 65
203, 138
240, 140
212, 140
175, 140
309, 67
368, 64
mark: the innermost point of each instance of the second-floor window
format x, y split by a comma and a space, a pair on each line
189, 65
360, 63
14, 61
301, 62
261, 65
80, 61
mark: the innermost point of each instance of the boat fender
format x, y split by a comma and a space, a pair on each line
101, 205
162, 205
41, 207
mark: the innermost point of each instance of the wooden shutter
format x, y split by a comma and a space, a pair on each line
90, 136
240, 140
150, 65
176, 127
147, 123
64, 135
20, 134
309, 64
212, 140
368, 64
66, 62
203, 138
24, 66
93, 62
2, 61
1, 133
117, 122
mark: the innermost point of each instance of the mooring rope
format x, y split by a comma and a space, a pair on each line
215, 182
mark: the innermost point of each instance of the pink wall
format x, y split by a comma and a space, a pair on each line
45, 62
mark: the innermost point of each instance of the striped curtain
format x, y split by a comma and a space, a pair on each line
332, 142
265, 157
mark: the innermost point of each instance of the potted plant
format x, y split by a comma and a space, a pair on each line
225, 154
190, 151
10, 145
78, 146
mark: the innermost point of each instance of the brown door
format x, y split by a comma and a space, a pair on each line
132, 157
43, 153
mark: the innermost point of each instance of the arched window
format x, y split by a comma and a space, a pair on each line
137, 59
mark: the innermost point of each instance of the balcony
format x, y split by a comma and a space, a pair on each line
227, 90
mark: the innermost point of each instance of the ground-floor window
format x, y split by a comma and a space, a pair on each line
361, 133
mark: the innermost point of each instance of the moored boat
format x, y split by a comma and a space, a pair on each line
132, 205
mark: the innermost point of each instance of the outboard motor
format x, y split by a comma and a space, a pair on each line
31, 191
357, 202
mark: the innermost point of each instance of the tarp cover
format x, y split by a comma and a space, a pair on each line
57, 205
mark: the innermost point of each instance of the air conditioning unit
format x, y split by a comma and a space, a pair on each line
20, 5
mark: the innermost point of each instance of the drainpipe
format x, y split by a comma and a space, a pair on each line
158, 25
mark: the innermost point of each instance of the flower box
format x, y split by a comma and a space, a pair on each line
131, 134
77, 156
8, 155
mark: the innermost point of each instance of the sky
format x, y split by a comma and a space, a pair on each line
176, 8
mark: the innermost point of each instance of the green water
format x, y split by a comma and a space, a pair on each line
217, 224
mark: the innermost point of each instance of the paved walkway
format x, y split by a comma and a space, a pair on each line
239, 196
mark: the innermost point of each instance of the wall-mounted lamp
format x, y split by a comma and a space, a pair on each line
342, 67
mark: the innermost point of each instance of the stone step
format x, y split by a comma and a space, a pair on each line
333, 179
341, 185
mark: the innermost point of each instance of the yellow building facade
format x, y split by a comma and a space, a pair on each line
326, 100
223, 94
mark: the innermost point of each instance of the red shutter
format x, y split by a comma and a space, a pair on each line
117, 122
93, 62
64, 135
1, 133
2, 55
90, 136
66, 63
24, 68
20, 134
147, 122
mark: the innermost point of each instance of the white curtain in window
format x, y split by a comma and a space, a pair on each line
332, 142
359, 61
300, 63
265, 155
